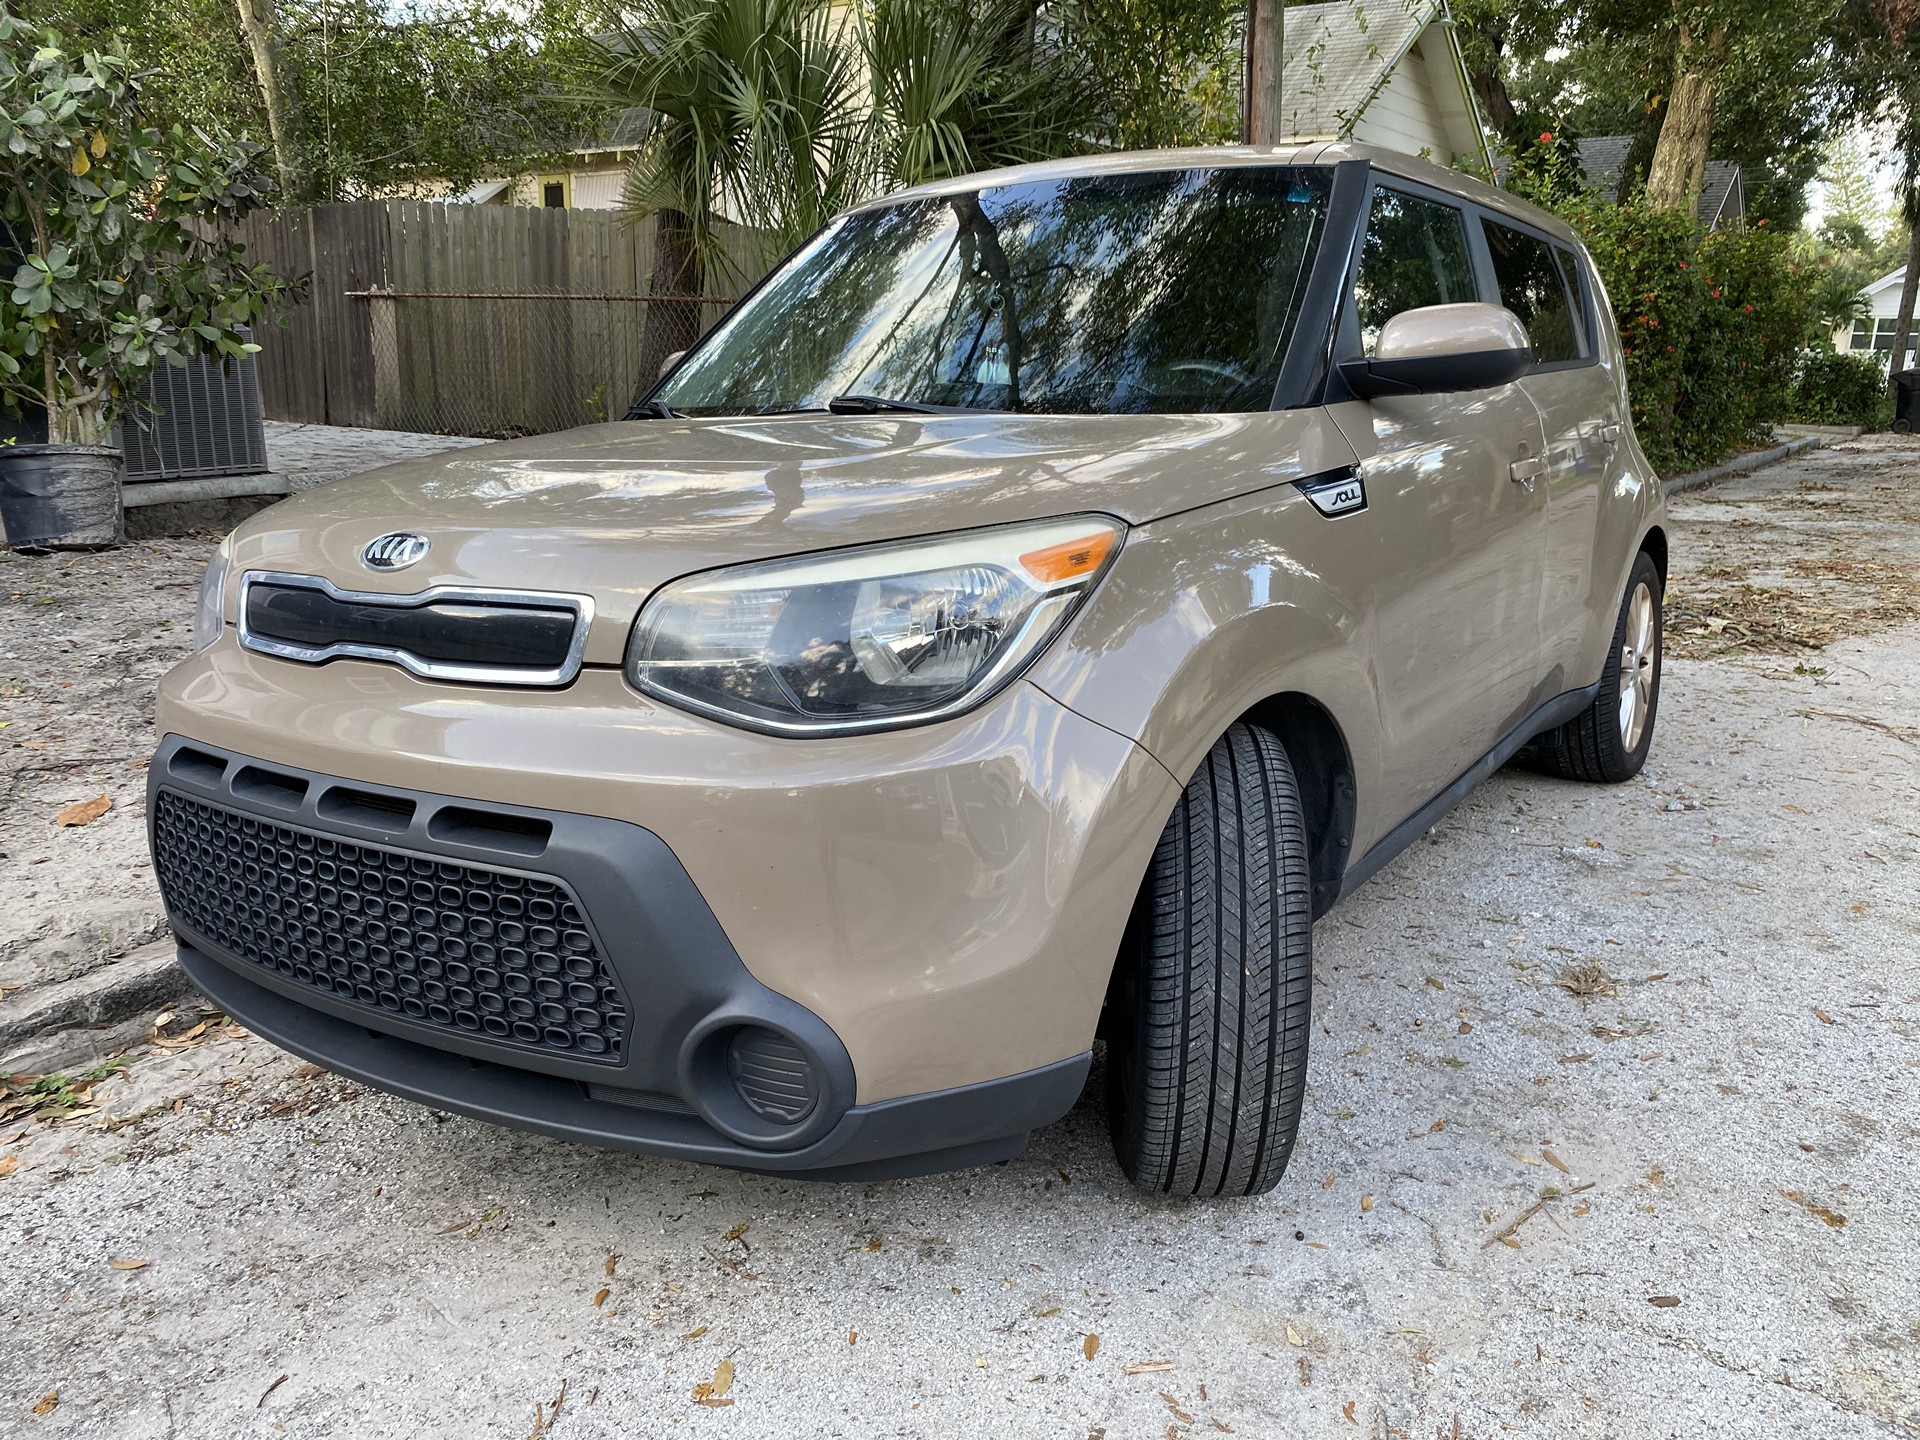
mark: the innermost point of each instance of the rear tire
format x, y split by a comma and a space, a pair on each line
1608, 741
1209, 1017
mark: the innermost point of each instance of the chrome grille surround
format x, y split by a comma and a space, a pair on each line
427, 668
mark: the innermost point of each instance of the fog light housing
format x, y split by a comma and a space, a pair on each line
772, 1075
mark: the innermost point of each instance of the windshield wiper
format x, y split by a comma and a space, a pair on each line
876, 404
654, 410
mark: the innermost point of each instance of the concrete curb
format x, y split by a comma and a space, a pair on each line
144, 980
1743, 464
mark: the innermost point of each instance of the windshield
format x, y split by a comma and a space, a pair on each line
1158, 292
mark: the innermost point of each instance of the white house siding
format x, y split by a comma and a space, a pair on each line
1404, 117
1875, 334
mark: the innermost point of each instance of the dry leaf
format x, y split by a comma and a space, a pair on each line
1293, 1335
47, 1402
1347, 1410
736, 1232
83, 812
853, 1337
8, 1164
600, 1296
695, 1333
1173, 1409
1366, 1204
1665, 1302
612, 1260
128, 1264
1825, 1019
1328, 1183
1090, 1346
97, 144
873, 1246
1148, 1367
714, 1392
1554, 1160
1833, 1218
1575, 1059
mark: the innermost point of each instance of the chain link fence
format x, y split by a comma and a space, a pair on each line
521, 363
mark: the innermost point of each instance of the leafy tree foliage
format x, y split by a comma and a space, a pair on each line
387, 98
119, 229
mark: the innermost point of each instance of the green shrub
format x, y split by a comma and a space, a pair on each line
1831, 389
1709, 324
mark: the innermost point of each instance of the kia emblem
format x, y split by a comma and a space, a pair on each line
395, 551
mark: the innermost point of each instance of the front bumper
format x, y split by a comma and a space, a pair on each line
947, 899
656, 1079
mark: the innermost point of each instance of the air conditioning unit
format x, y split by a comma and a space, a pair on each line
205, 419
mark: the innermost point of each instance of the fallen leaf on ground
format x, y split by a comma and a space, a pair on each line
1328, 1183
1366, 1204
128, 1264
83, 812
1293, 1335
600, 1296
1090, 1346
1554, 1160
1575, 1059
1833, 1218
308, 1071
714, 1391
1825, 1019
1665, 1302
8, 1164
695, 1333
47, 1402
1148, 1367
612, 1260
737, 1231
1347, 1410
1173, 1409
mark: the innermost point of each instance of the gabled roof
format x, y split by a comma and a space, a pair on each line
1347, 63
1722, 195
1885, 282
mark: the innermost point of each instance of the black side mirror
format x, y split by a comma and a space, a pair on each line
1441, 348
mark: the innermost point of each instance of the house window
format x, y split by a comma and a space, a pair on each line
553, 194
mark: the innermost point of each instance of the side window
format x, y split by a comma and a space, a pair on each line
1570, 272
1532, 287
1415, 254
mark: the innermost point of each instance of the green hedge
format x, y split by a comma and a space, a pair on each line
1710, 325
1831, 389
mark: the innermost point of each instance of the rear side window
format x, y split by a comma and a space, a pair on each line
1415, 254
1534, 286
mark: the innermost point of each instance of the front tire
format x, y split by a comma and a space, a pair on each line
1608, 741
1207, 1049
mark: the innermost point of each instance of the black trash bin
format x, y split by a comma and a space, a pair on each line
1906, 402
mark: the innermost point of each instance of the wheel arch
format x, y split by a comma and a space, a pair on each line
1654, 544
1323, 769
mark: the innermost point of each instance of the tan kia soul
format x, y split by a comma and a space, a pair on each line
1012, 626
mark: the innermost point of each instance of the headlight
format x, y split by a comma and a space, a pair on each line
209, 611
872, 637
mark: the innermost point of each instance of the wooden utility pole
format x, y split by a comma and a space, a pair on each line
1262, 121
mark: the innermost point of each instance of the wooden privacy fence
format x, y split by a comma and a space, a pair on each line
466, 319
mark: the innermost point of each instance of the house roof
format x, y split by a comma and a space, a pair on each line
623, 130
1885, 282
1604, 158
1336, 55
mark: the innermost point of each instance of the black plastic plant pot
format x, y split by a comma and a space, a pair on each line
60, 497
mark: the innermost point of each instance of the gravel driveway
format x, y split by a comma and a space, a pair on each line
1613, 1131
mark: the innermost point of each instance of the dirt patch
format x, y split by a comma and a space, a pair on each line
1788, 560
83, 638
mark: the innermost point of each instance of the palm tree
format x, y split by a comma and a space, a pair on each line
756, 115
777, 114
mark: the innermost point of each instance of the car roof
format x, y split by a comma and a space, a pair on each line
1220, 157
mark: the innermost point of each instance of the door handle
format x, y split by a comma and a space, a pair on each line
1524, 472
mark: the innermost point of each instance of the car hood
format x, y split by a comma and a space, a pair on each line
614, 511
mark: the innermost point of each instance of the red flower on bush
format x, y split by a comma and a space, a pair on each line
1546, 138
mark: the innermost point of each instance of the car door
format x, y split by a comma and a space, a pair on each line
1541, 282
1457, 520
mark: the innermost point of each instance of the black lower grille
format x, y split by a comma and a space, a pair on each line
471, 950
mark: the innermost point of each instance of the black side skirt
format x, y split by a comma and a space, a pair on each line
1556, 711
